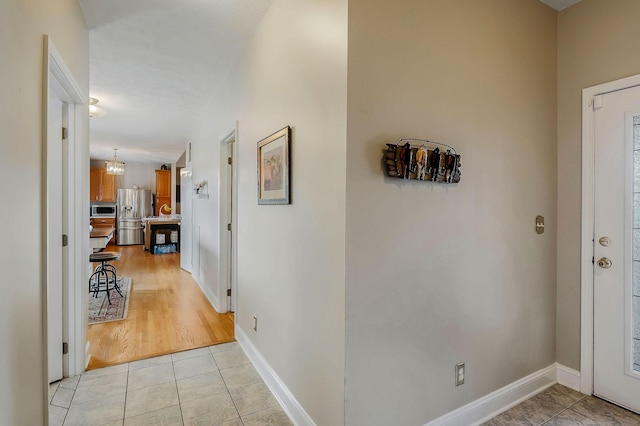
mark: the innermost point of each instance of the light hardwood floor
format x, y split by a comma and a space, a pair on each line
167, 313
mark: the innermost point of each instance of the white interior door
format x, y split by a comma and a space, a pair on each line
54, 238
617, 248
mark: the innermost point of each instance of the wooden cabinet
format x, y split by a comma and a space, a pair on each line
102, 186
102, 222
163, 189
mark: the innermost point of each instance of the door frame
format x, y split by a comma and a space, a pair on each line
224, 198
588, 223
57, 78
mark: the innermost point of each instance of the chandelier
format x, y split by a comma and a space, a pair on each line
115, 166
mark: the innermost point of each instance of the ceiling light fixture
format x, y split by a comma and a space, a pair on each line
94, 110
115, 166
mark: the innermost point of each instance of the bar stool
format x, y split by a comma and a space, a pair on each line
105, 277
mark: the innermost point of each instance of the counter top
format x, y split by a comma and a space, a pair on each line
167, 220
101, 232
100, 237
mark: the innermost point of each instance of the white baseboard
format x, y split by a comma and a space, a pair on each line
482, 409
207, 292
568, 377
291, 406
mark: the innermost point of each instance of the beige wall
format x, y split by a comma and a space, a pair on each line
597, 43
441, 274
22, 25
290, 257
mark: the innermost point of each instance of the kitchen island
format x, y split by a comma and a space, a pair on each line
100, 237
161, 225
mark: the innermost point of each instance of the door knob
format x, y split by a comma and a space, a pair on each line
604, 263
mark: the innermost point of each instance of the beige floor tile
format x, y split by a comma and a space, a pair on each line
56, 415
562, 395
53, 387
193, 353
242, 375
96, 412
63, 397
231, 346
571, 418
106, 371
70, 382
274, 416
150, 376
168, 416
608, 414
151, 398
200, 386
532, 412
211, 410
194, 366
150, 362
228, 359
252, 398
100, 387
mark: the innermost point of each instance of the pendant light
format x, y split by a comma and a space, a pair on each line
115, 166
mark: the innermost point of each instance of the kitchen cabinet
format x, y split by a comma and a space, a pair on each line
103, 222
163, 189
102, 186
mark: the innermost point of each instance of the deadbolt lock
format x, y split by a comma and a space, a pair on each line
604, 263
604, 241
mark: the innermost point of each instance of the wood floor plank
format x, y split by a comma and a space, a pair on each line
167, 313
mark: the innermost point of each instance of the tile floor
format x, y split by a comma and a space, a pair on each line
216, 385
561, 406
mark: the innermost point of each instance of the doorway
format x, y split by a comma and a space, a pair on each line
66, 238
228, 221
611, 242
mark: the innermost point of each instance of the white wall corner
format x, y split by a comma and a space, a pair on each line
568, 377
483, 409
291, 406
213, 299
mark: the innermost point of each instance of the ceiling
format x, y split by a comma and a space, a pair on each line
154, 63
560, 4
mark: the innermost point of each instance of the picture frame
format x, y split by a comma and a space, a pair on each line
274, 168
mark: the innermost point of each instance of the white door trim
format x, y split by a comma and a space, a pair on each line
57, 78
230, 135
588, 222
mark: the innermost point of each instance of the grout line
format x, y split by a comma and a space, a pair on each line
177, 390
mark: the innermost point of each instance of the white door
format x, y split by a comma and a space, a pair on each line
54, 238
186, 208
617, 248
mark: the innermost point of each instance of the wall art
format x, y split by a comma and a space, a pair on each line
273, 168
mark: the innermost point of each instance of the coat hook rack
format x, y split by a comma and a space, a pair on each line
422, 159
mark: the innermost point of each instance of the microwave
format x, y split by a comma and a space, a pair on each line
103, 210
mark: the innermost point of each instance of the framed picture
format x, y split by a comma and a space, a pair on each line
273, 168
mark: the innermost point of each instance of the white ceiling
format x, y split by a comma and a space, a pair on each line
560, 4
154, 63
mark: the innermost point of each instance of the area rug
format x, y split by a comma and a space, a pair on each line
101, 311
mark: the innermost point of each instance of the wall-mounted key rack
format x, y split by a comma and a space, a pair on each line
421, 159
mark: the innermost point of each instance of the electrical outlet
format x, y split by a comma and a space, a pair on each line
255, 323
460, 374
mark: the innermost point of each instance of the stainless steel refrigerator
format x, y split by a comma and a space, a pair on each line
132, 206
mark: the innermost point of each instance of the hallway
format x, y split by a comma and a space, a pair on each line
167, 313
